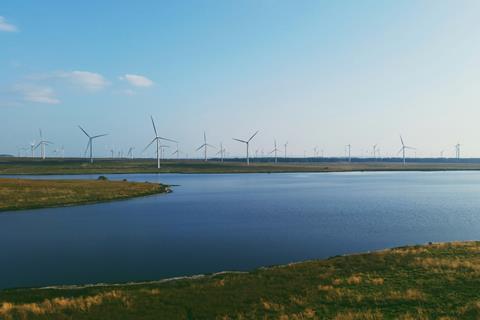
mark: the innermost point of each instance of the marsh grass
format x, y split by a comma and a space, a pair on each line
438, 281
16, 194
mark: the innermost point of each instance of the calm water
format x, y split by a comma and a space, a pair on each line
235, 222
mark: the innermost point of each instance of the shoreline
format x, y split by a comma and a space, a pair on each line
227, 272
407, 282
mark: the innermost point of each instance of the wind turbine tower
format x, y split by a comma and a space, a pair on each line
457, 151
349, 147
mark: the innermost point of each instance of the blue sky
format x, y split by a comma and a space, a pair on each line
314, 73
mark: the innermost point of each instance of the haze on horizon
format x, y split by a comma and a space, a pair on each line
314, 73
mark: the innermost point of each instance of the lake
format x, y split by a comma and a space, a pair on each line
221, 222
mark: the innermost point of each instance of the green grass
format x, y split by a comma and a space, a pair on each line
438, 281
17, 194
80, 166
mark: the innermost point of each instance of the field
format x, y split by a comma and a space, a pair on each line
17, 194
81, 166
436, 281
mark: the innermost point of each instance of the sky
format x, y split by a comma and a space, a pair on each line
314, 73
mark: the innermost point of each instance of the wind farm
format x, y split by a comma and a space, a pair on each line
244, 160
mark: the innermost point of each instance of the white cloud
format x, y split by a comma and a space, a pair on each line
137, 80
5, 26
36, 93
85, 79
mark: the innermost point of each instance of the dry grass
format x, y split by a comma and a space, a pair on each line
59, 305
377, 281
445, 263
355, 279
359, 315
409, 294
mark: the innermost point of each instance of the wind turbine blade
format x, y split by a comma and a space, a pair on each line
168, 139
100, 135
84, 131
240, 140
211, 146
272, 151
203, 145
154, 128
148, 145
401, 149
412, 148
401, 139
253, 136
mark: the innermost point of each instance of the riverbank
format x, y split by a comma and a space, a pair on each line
419, 282
26, 166
19, 194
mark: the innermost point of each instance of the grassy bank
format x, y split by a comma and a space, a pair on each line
16, 194
105, 166
438, 281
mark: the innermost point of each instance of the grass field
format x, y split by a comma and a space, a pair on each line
438, 281
16, 194
79, 166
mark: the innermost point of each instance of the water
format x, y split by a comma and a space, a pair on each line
212, 223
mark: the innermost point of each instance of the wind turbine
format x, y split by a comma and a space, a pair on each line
274, 150
285, 148
177, 152
221, 152
130, 152
157, 140
375, 152
22, 149
457, 151
205, 145
162, 152
32, 149
90, 142
42, 145
247, 143
349, 146
403, 148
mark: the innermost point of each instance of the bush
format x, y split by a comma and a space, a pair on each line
102, 178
